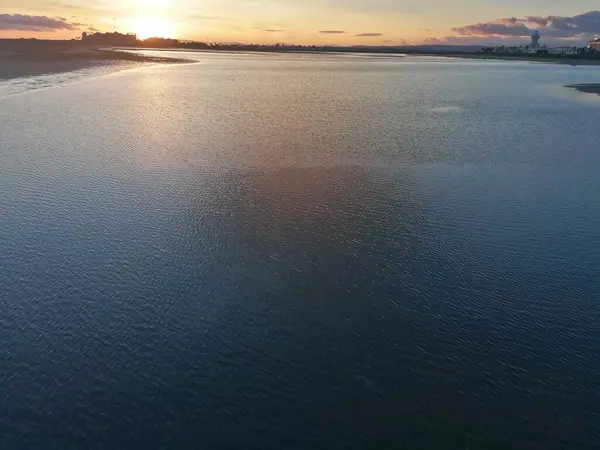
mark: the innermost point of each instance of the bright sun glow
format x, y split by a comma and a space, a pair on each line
150, 27
149, 4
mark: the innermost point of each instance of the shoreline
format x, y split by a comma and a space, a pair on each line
524, 57
24, 59
547, 59
573, 60
587, 88
27, 60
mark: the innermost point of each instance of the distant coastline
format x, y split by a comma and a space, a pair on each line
25, 58
465, 52
572, 60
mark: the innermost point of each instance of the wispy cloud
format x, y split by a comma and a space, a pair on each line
368, 34
332, 32
206, 17
273, 31
371, 7
63, 6
21, 22
78, 7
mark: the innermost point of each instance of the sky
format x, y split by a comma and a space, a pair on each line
320, 22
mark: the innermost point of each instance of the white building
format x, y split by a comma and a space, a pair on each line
535, 40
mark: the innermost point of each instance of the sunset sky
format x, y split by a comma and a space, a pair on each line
373, 22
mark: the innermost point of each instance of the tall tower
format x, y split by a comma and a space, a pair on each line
535, 39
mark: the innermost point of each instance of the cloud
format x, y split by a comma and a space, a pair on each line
273, 31
106, 7
331, 32
203, 17
493, 29
579, 26
538, 21
22, 22
77, 24
61, 5
367, 7
368, 35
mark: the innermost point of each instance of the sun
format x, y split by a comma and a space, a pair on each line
156, 4
147, 27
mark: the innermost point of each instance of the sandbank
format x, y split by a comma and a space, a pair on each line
26, 58
590, 88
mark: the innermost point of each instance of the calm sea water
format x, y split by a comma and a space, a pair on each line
285, 251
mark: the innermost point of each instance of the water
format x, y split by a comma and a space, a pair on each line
15, 86
284, 251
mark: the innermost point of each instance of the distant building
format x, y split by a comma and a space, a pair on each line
535, 40
157, 42
594, 45
114, 39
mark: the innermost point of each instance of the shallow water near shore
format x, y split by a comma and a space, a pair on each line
302, 251
19, 84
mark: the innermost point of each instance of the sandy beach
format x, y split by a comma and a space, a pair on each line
26, 58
